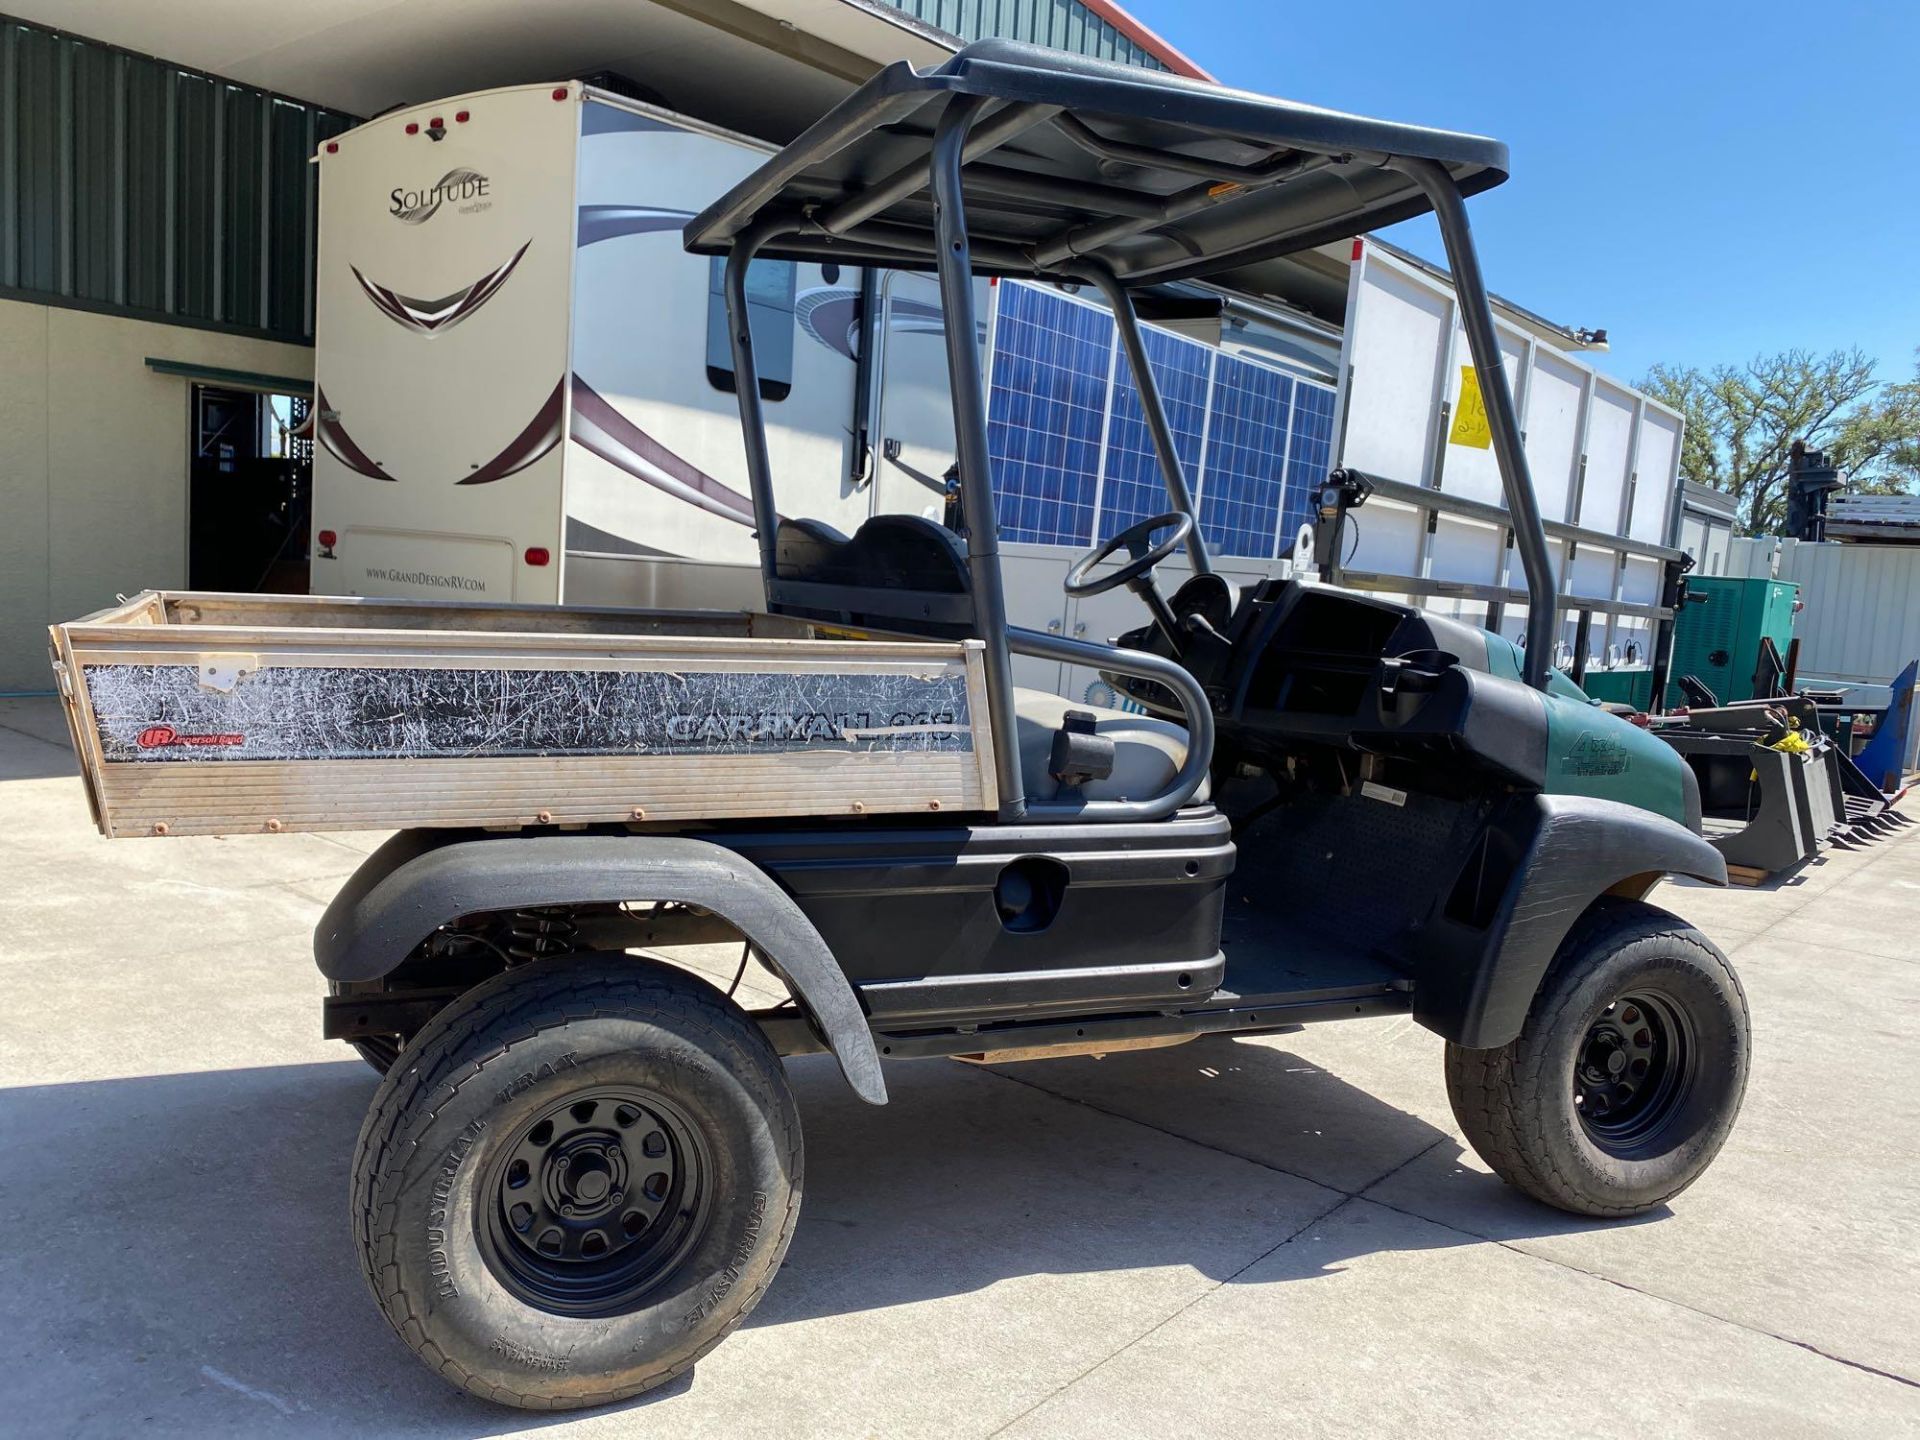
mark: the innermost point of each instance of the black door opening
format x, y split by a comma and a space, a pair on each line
249, 492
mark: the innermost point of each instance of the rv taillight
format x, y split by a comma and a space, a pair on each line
436, 123
333, 147
413, 127
559, 92
326, 539
538, 555
459, 117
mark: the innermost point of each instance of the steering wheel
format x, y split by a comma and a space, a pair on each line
1145, 557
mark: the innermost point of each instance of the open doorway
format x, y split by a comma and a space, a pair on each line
248, 494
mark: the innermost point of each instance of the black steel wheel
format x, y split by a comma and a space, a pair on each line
1634, 1071
594, 1199
1627, 1074
585, 1175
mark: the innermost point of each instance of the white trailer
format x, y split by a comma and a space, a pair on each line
559, 423
1605, 460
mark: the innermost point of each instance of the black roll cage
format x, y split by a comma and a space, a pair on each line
987, 97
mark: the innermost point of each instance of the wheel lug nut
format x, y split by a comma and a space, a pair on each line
566, 1209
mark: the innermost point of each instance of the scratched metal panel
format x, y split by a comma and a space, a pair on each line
162, 713
36, 125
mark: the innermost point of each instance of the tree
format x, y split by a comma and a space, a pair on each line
1742, 422
1878, 444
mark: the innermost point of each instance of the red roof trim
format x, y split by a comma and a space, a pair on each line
1144, 38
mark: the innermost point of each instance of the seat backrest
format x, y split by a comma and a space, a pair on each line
905, 571
894, 552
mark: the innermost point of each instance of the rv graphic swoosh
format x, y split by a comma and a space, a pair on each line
541, 435
610, 222
603, 430
431, 317
830, 314
339, 444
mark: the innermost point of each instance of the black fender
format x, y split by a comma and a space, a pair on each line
419, 881
1539, 864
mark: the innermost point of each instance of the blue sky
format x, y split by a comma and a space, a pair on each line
1705, 181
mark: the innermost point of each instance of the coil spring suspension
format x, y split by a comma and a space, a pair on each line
534, 933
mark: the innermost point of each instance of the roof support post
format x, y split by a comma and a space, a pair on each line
1151, 405
970, 441
746, 384
1476, 317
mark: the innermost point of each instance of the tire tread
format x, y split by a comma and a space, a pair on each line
1496, 1094
481, 1028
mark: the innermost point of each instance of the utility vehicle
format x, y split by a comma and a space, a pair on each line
584, 1165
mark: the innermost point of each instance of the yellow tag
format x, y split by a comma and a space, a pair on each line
1470, 425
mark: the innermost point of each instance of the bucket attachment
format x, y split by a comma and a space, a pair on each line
1775, 790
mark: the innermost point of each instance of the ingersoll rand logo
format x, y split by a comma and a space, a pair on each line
460, 188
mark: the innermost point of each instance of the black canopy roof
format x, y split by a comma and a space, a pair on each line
1157, 176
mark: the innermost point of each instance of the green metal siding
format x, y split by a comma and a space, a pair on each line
35, 126
146, 185
1063, 24
138, 187
194, 164
241, 205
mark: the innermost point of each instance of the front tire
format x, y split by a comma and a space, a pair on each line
1627, 1076
584, 1177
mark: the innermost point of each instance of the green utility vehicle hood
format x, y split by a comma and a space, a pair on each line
1591, 751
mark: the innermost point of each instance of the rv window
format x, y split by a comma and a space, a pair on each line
770, 289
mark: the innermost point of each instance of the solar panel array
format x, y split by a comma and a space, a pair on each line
1309, 456
1045, 413
1132, 488
1246, 457
1072, 456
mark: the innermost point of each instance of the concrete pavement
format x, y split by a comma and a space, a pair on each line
1274, 1237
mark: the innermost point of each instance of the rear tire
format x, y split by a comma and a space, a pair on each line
1627, 1076
584, 1177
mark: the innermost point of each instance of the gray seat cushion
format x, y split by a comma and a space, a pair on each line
1147, 753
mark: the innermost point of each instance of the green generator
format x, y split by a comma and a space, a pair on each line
1717, 635
1620, 687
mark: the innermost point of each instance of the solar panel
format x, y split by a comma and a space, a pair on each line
1132, 488
1242, 489
1309, 456
1045, 412
1065, 420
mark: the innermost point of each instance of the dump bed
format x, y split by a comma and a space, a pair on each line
200, 714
